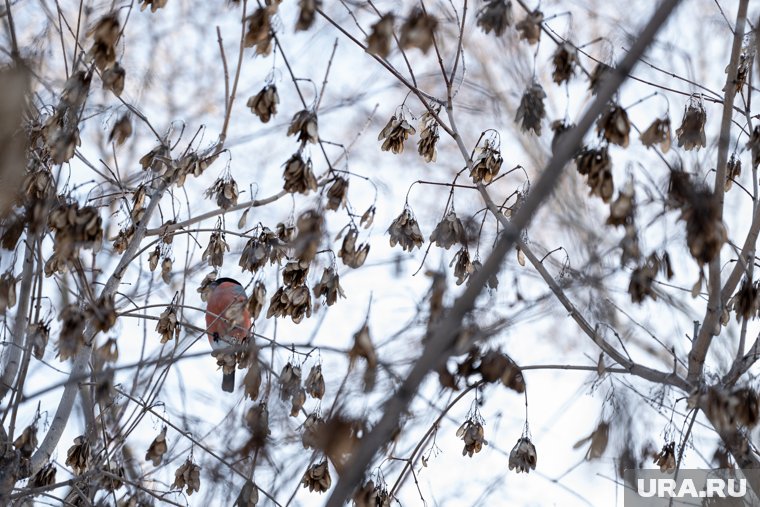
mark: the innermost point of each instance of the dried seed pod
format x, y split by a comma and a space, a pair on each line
153, 258
214, 252
256, 301
315, 382
523, 456
7, 291
448, 232
264, 103
565, 60
295, 273
290, 381
405, 231
691, 133
317, 478
368, 217
531, 111
486, 164
78, 456
666, 458
304, 124
113, 79
299, 175
596, 165
225, 191
168, 326
597, 440
102, 313
154, 4
204, 289
71, 337
336, 194
166, 270
306, 243
733, 170
471, 431
329, 286
252, 380
657, 133
121, 131
44, 477
39, 334
395, 133
614, 126
259, 33
381, 35
248, 496
418, 30
463, 268
307, 13
297, 401
352, 256
426, 146
188, 476
496, 16
622, 209
26, 442
530, 26
364, 348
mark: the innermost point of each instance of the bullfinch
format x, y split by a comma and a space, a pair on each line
227, 320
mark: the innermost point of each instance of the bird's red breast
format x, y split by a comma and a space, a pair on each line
226, 312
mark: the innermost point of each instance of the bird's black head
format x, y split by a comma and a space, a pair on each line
220, 281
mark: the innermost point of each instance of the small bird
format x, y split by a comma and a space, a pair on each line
227, 321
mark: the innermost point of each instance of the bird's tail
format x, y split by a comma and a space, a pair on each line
228, 382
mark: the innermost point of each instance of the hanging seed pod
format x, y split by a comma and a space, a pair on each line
448, 232
381, 36
368, 217
471, 431
599, 75
256, 301
78, 456
188, 476
121, 131
487, 163
7, 291
264, 103
428, 137
168, 326
657, 133
523, 456
166, 270
329, 287
352, 256
496, 16
299, 175
113, 79
614, 126
405, 231
666, 458
463, 268
307, 13
530, 27
691, 133
315, 382
417, 31
564, 60
214, 252
225, 191
336, 194
153, 4
304, 126
44, 477
394, 134
259, 34
317, 478
733, 171
531, 111
71, 337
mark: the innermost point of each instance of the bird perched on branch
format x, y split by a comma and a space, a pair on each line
227, 324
